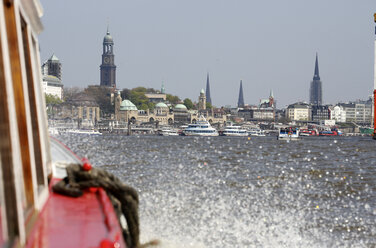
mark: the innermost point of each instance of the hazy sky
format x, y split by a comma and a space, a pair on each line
268, 44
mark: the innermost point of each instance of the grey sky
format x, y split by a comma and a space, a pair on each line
268, 44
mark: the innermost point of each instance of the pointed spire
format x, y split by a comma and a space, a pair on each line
163, 88
208, 98
241, 98
271, 94
108, 26
316, 76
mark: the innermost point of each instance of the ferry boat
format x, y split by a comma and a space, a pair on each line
234, 131
83, 132
256, 132
308, 132
168, 132
201, 128
288, 134
332, 132
31, 213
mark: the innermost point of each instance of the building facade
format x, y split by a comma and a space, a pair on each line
319, 113
298, 112
51, 77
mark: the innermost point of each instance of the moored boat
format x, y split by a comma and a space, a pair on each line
234, 131
308, 132
332, 132
256, 132
201, 128
83, 132
168, 132
288, 134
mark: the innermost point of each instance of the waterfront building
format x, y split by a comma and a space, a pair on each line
202, 100
52, 67
181, 114
208, 98
52, 86
81, 110
338, 114
315, 91
320, 112
256, 114
298, 112
359, 112
241, 97
108, 67
51, 77
126, 111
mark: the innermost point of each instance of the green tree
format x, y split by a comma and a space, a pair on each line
125, 94
188, 103
208, 105
172, 99
52, 100
102, 96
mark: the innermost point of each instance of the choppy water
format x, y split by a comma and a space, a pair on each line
235, 192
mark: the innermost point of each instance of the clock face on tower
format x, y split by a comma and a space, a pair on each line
106, 60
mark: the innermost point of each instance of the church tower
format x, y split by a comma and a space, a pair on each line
208, 98
202, 100
315, 91
108, 67
241, 98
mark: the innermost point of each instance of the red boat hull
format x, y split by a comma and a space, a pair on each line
86, 221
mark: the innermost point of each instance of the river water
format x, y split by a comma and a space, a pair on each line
241, 192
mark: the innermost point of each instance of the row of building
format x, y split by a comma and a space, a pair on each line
359, 112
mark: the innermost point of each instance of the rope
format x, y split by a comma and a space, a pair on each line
123, 197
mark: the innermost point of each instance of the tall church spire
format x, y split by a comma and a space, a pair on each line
241, 98
315, 90
108, 67
208, 98
316, 76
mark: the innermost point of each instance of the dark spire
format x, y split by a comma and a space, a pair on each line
241, 98
208, 98
316, 76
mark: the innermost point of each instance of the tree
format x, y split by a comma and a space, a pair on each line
125, 94
52, 99
208, 105
71, 93
172, 99
188, 103
102, 96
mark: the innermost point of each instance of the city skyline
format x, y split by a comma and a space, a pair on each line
267, 48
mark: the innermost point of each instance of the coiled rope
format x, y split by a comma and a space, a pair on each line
123, 197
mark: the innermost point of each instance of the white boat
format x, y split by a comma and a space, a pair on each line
256, 132
234, 131
168, 132
83, 132
201, 128
288, 134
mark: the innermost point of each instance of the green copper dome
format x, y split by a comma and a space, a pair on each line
180, 106
127, 105
108, 38
202, 91
161, 105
